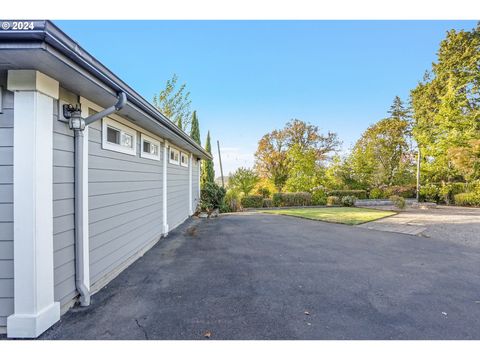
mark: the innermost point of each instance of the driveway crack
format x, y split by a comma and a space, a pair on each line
143, 329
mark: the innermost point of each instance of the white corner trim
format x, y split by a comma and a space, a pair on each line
199, 165
166, 156
33, 325
32, 80
35, 308
190, 182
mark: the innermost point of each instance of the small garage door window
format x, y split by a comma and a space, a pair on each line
184, 159
174, 156
118, 137
150, 148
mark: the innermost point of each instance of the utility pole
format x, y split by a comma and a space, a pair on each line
220, 161
418, 174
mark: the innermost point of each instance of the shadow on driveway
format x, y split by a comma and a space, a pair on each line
275, 277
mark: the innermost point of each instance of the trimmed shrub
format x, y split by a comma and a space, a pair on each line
212, 197
319, 196
267, 203
376, 193
232, 201
292, 199
448, 191
349, 201
333, 200
467, 199
359, 194
429, 192
264, 192
398, 201
473, 186
403, 191
252, 201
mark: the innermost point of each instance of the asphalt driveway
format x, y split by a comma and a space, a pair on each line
275, 277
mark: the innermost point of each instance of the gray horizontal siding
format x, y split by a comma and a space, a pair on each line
195, 184
63, 210
125, 205
177, 194
6, 203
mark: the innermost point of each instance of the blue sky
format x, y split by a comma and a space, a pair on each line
249, 77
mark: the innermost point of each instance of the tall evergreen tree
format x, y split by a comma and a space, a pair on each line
208, 173
195, 129
398, 111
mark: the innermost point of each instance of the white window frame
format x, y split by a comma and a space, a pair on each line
186, 157
152, 141
177, 162
106, 122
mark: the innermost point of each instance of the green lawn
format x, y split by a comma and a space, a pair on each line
342, 215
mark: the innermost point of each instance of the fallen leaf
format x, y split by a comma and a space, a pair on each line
207, 334
309, 324
444, 313
306, 313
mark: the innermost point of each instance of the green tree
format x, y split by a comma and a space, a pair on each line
244, 180
195, 129
382, 155
174, 102
305, 173
446, 105
208, 172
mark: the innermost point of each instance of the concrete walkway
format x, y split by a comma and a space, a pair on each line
456, 224
263, 276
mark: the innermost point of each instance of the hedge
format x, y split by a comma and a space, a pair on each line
359, 194
252, 201
267, 203
467, 199
292, 199
334, 200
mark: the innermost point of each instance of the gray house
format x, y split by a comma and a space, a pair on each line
91, 176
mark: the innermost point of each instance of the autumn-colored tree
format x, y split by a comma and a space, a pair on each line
466, 159
298, 140
271, 158
174, 102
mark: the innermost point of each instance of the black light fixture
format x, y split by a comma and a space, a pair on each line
74, 116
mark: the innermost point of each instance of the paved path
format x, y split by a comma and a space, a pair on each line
277, 277
456, 224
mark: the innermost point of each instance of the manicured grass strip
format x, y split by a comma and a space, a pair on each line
342, 215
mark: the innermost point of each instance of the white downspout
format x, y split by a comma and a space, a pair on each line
190, 173
78, 123
164, 189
